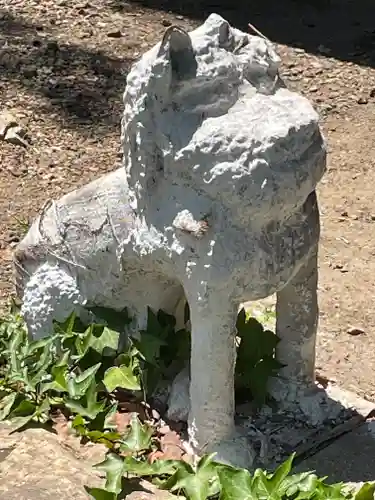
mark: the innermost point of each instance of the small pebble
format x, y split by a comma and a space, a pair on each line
356, 331
362, 100
155, 414
114, 34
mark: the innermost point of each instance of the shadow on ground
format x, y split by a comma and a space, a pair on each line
343, 29
84, 86
349, 458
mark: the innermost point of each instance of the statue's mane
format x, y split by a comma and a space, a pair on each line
188, 105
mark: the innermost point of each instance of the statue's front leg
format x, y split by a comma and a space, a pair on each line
213, 357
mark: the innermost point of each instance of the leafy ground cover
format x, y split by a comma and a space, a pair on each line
88, 375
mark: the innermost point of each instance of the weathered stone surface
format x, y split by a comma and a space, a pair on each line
216, 202
36, 465
11, 131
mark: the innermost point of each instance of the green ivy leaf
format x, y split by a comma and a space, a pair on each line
256, 343
256, 379
116, 320
236, 484
100, 494
302, 484
59, 379
78, 385
108, 414
138, 438
82, 342
6, 404
88, 406
37, 345
256, 361
66, 328
166, 320
43, 408
275, 480
197, 484
40, 369
113, 466
16, 340
153, 326
78, 421
26, 407
22, 414
107, 343
141, 468
121, 377
19, 422
177, 348
106, 438
149, 348
366, 492
104, 419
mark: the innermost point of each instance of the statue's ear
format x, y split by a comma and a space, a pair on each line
225, 35
181, 54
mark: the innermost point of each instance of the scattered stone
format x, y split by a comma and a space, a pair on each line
12, 238
114, 34
356, 331
11, 131
30, 72
340, 267
86, 34
22, 170
362, 100
166, 22
52, 46
84, 5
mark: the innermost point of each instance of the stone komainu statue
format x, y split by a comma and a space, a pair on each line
215, 203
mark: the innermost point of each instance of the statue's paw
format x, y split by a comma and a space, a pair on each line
308, 400
236, 451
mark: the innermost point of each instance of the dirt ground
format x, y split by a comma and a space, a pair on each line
63, 65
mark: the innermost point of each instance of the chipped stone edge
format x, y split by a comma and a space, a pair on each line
350, 399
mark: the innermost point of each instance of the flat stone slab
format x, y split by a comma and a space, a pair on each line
350, 458
38, 465
35, 466
278, 434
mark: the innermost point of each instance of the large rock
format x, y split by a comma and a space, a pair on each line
216, 202
37, 465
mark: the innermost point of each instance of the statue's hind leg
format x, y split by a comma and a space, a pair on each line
296, 325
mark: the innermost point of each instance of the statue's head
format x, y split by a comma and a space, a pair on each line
201, 111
